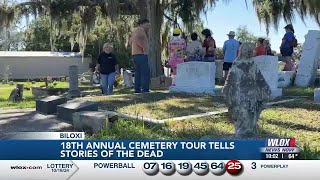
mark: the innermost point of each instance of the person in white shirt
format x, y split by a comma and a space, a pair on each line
195, 51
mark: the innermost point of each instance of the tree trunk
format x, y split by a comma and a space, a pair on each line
155, 15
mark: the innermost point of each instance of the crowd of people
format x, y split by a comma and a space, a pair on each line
182, 50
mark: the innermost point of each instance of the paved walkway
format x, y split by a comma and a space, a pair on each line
28, 120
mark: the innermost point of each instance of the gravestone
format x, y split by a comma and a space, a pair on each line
219, 70
49, 104
93, 121
33, 82
246, 92
195, 77
161, 82
17, 93
268, 66
3, 82
11, 83
65, 111
73, 82
309, 61
127, 78
286, 78
167, 71
317, 95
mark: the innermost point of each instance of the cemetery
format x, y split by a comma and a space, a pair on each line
60, 91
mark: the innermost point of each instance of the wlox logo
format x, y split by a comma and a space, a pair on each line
281, 142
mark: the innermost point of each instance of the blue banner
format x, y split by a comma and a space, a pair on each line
130, 150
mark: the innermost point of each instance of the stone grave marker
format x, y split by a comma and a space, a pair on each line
73, 82
49, 104
309, 61
65, 111
286, 78
195, 77
93, 121
246, 92
268, 66
317, 95
219, 70
161, 82
127, 78
17, 93
11, 83
167, 71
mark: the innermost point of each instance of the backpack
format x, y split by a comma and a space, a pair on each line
294, 42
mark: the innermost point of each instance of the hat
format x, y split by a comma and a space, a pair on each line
231, 33
289, 26
177, 31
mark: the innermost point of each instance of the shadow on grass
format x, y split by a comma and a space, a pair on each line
301, 104
29, 121
298, 91
116, 102
137, 130
293, 125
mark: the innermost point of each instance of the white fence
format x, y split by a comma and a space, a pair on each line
33, 65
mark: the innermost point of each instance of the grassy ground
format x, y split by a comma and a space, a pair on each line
37, 84
29, 100
298, 119
160, 105
297, 91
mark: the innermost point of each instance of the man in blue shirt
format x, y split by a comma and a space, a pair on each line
230, 49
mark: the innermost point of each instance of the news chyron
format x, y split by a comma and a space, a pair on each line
70, 155
280, 149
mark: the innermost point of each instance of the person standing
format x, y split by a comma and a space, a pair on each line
210, 45
230, 51
195, 51
286, 48
139, 44
177, 46
267, 45
107, 66
260, 50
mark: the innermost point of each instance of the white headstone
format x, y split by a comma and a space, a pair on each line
309, 61
268, 66
167, 71
286, 78
127, 78
195, 77
317, 95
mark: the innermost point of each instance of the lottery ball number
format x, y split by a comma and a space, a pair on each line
167, 168
201, 168
151, 168
234, 167
218, 168
184, 168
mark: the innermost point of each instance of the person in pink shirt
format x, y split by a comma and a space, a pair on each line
177, 46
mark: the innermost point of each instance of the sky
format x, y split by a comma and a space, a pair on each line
227, 17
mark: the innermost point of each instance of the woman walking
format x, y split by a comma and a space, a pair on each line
107, 67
